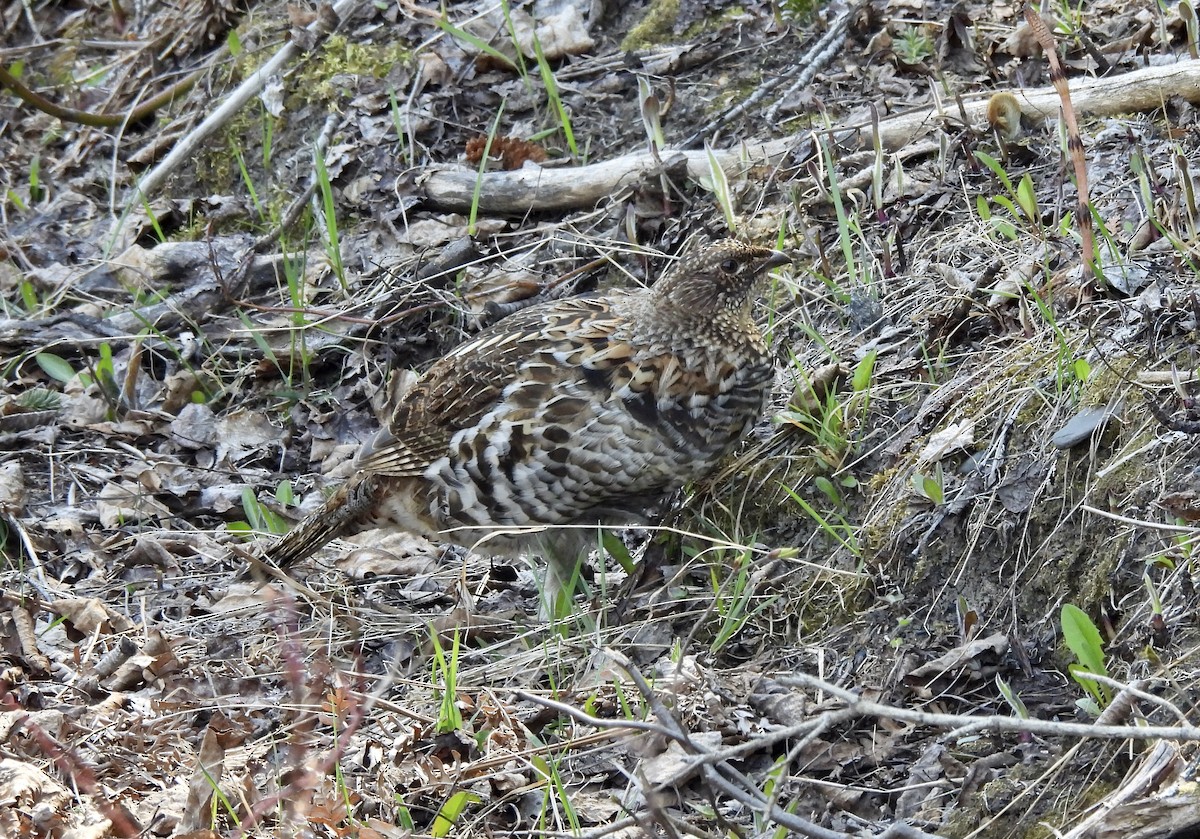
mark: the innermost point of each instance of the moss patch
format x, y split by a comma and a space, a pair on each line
338, 56
657, 27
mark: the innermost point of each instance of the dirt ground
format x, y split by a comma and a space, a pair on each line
947, 587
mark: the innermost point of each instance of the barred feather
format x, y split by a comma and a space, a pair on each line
573, 411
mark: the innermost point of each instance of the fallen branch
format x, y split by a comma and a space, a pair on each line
959, 725
541, 188
452, 188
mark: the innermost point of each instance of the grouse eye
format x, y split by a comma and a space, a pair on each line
730, 266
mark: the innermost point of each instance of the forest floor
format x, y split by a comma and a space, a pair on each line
947, 588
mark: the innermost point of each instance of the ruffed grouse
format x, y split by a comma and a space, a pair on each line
570, 412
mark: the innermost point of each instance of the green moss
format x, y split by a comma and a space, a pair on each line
1106, 379
798, 10
1033, 821
1066, 814
340, 56
735, 90
1092, 571
655, 28
317, 84
708, 24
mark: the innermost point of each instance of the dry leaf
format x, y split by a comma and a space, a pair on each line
954, 437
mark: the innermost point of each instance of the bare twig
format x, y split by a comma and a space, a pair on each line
822, 53
811, 63
292, 214
104, 120
186, 147
960, 724
75, 770
38, 578
717, 772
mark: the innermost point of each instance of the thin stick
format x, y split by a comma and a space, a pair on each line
185, 149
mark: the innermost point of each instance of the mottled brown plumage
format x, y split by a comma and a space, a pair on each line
577, 411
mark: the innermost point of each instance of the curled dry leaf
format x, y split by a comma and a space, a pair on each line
973, 660
675, 765
121, 502
12, 488
244, 433
88, 615
954, 437
24, 787
559, 33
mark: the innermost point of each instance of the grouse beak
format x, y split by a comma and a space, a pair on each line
776, 259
